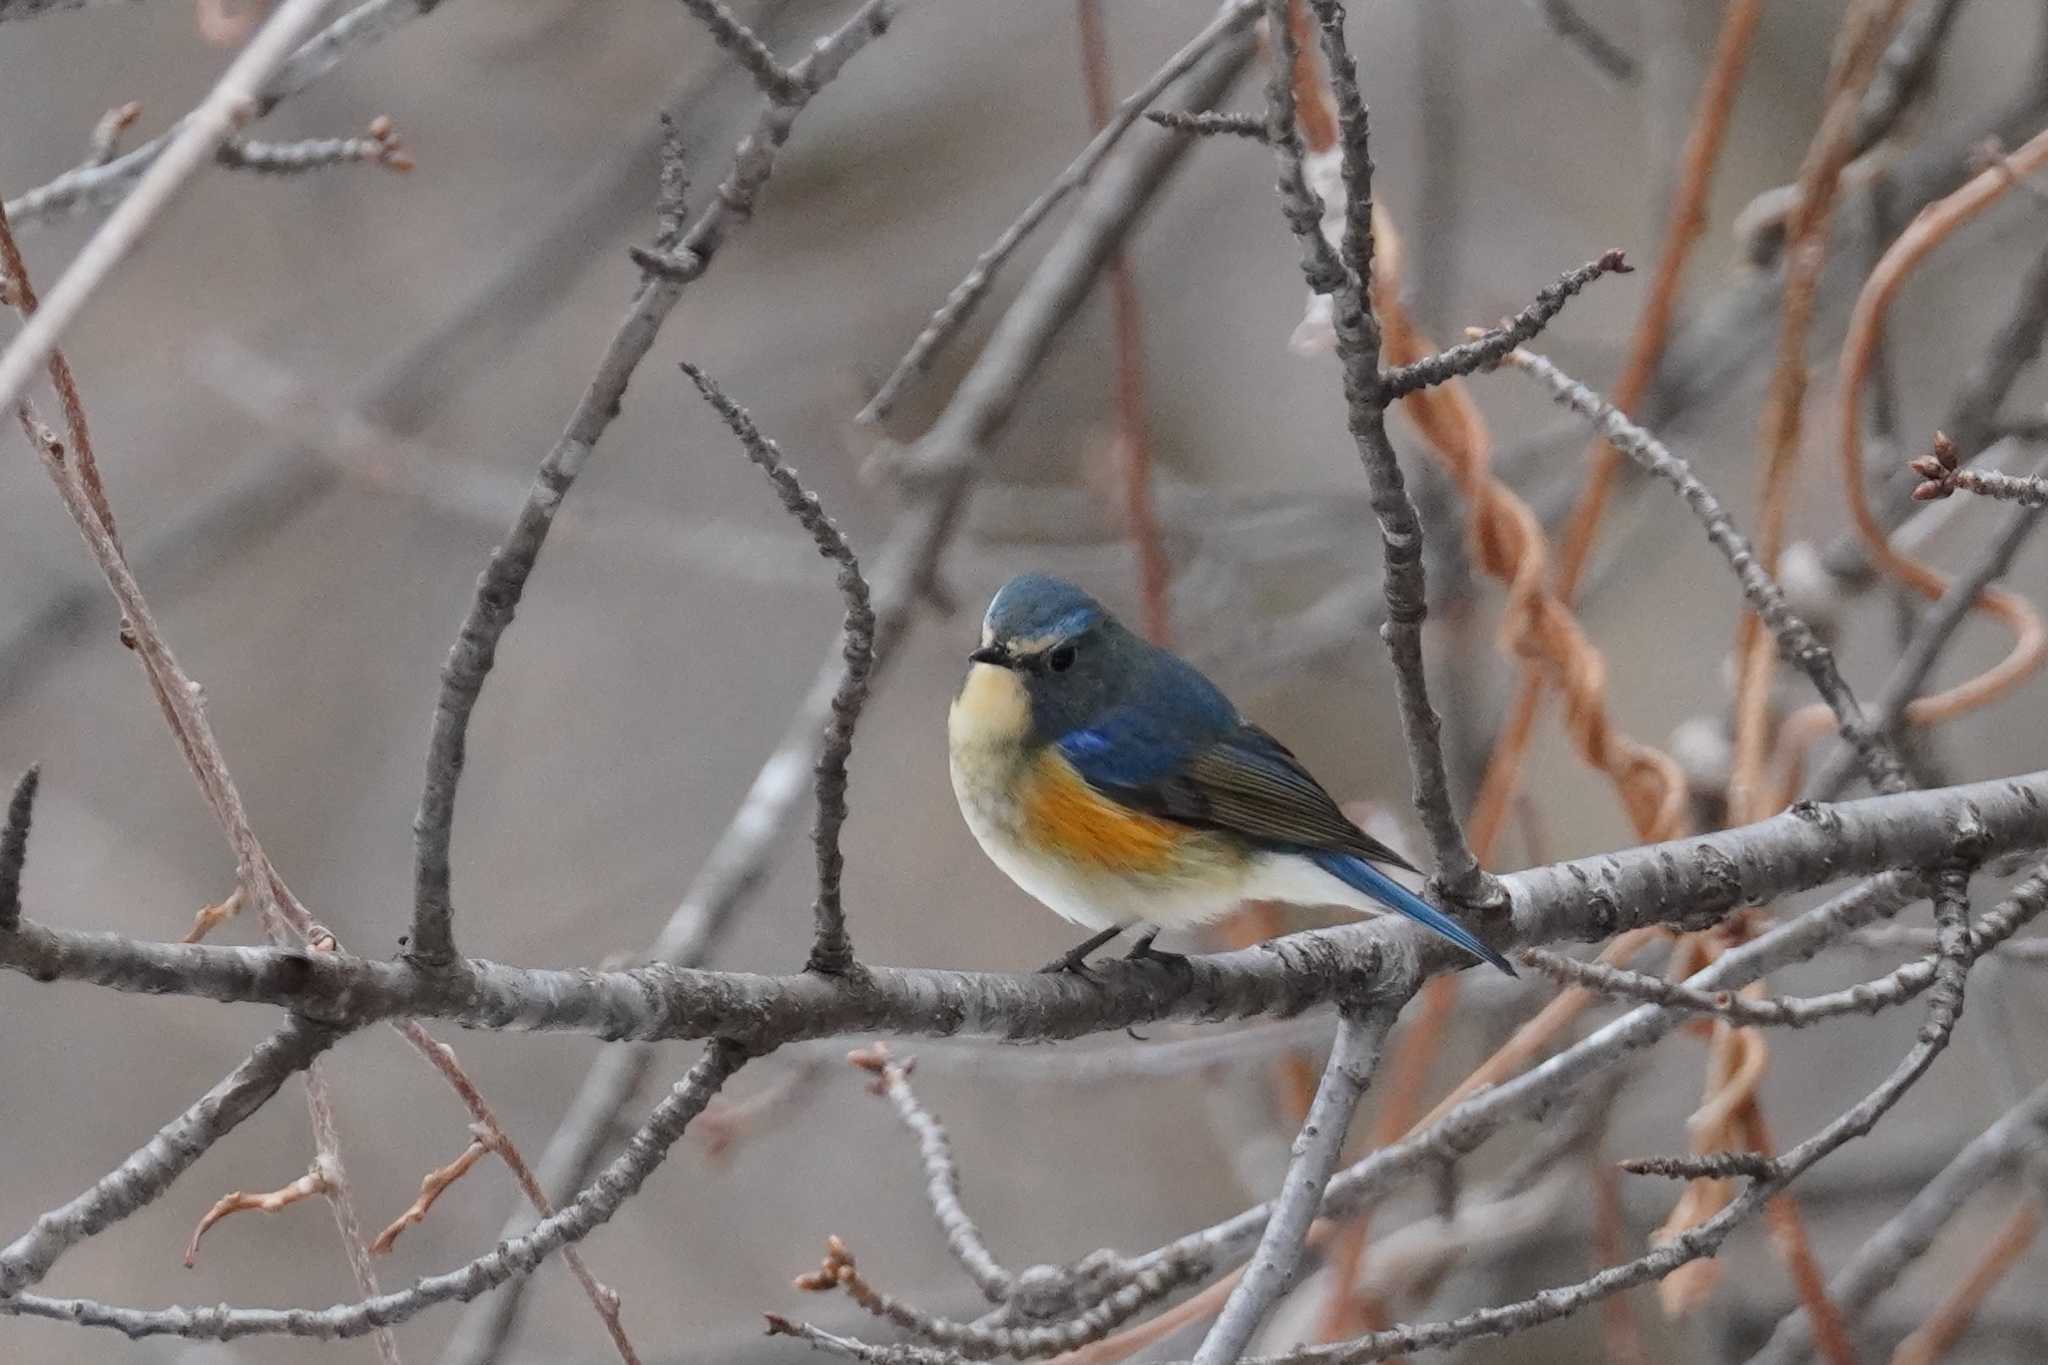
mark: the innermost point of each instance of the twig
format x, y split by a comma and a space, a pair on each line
591, 1209
379, 147
14, 845
1584, 37
143, 1177
1795, 639
105, 142
432, 1186
1232, 18
831, 948
1869, 997
470, 659
1361, 1032
1252, 126
745, 47
1888, 1252
225, 108
942, 1175
1940, 477
1712, 1166
988, 1338
1345, 278
1491, 347
97, 184
316, 1183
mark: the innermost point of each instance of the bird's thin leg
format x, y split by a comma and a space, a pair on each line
1075, 959
1143, 951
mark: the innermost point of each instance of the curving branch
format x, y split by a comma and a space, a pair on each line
591, 1209
942, 1173
150, 1170
432, 940
831, 948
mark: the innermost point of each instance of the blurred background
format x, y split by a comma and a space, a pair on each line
318, 399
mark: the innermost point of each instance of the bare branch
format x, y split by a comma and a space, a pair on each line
98, 184
1346, 281
1584, 37
432, 941
380, 146
1940, 477
316, 1183
1360, 1035
1232, 19
831, 948
591, 1209
775, 81
1689, 882
1796, 640
1119, 1299
1492, 346
225, 108
1713, 1166
432, 1186
149, 1171
942, 1175
14, 846
1252, 126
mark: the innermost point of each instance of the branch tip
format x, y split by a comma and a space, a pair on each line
14, 844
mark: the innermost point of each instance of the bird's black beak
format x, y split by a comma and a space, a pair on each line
991, 654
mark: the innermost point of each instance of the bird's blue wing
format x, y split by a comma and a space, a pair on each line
1229, 776
1244, 782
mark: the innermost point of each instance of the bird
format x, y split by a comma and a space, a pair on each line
1111, 780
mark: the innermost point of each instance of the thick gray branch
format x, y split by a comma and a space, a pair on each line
1689, 883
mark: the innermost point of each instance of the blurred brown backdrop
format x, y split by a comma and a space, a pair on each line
387, 357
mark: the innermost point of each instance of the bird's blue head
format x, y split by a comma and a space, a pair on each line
1052, 657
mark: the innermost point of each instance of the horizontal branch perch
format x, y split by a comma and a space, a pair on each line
1686, 882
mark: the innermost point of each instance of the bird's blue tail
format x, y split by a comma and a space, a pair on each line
1363, 876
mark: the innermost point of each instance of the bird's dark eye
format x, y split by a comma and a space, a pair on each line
1061, 659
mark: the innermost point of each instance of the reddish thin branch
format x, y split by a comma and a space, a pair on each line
318, 1181
432, 1186
1685, 222
1946, 1325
